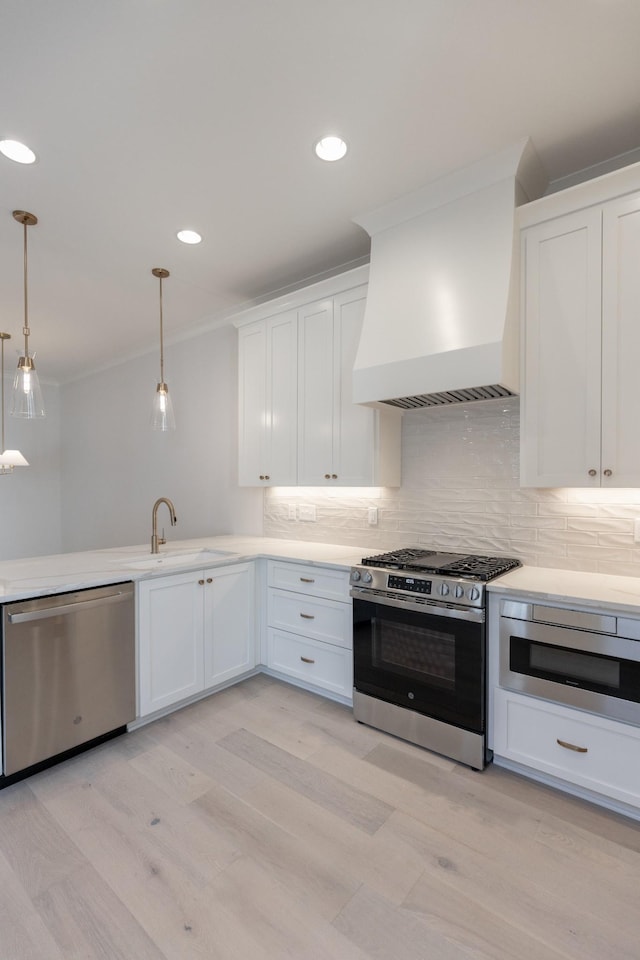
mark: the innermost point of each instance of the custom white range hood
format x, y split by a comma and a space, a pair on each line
441, 320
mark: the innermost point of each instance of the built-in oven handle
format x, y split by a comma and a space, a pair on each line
419, 606
56, 611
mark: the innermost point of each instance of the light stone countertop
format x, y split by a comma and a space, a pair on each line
59, 573
618, 594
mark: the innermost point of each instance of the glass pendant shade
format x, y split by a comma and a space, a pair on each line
162, 417
26, 399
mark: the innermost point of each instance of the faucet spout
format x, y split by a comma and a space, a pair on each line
155, 539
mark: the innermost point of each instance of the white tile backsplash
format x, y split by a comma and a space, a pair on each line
460, 491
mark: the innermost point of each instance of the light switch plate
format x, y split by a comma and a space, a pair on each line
372, 516
307, 511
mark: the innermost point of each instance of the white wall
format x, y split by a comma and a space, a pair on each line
114, 466
30, 496
460, 491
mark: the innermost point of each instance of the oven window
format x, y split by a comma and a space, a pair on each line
410, 651
572, 665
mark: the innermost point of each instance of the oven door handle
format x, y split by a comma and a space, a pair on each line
417, 606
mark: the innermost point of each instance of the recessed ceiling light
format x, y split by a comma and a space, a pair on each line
17, 151
189, 236
331, 148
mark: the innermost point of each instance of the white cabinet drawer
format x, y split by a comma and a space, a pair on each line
321, 664
314, 581
314, 617
593, 752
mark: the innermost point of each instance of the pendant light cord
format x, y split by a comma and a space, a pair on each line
161, 338
25, 328
3, 447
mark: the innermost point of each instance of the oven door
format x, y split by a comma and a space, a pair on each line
421, 656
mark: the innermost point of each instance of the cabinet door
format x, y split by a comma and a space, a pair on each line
229, 623
561, 404
354, 433
170, 640
267, 384
317, 394
621, 342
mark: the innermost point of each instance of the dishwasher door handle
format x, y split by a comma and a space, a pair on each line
78, 605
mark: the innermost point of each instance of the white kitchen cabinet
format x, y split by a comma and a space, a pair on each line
340, 443
298, 424
581, 340
195, 630
267, 380
309, 627
580, 749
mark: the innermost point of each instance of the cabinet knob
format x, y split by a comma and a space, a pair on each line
608, 473
327, 476
265, 476
592, 473
262, 476
307, 660
334, 476
209, 579
201, 582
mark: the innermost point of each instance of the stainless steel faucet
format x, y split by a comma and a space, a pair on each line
155, 539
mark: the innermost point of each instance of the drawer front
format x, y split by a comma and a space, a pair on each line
314, 581
314, 617
321, 664
601, 755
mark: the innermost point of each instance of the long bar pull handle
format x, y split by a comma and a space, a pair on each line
307, 580
307, 616
307, 660
572, 746
54, 611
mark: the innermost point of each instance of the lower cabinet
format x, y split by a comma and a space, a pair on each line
196, 630
309, 628
591, 752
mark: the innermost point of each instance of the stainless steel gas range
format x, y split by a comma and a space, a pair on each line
419, 648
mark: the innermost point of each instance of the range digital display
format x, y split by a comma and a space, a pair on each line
412, 584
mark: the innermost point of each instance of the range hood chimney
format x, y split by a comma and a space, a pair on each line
441, 319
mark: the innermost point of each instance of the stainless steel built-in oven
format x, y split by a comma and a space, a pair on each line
419, 649
589, 660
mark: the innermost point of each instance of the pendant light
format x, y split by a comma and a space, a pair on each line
26, 400
8, 458
162, 414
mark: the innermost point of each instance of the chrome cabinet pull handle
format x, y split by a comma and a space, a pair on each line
307, 660
307, 580
307, 616
572, 746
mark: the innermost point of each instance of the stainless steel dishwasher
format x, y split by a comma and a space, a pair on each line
68, 672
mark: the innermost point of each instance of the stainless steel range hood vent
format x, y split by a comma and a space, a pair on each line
441, 319
493, 392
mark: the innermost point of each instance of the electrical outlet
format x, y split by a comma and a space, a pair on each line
292, 512
307, 511
372, 516
636, 530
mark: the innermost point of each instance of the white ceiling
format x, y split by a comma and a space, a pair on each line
152, 115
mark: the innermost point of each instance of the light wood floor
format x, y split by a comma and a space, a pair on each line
265, 823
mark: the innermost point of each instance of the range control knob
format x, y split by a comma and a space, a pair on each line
459, 591
355, 576
474, 593
366, 577
444, 589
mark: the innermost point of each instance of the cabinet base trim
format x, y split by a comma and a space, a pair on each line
582, 793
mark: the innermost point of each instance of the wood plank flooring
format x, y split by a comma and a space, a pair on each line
265, 823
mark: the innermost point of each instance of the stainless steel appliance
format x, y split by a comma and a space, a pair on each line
589, 660
68, 672
419, 648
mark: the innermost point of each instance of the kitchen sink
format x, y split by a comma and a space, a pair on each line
154, 561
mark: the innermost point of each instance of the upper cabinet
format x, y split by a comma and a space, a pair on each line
298, 423
581, 338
